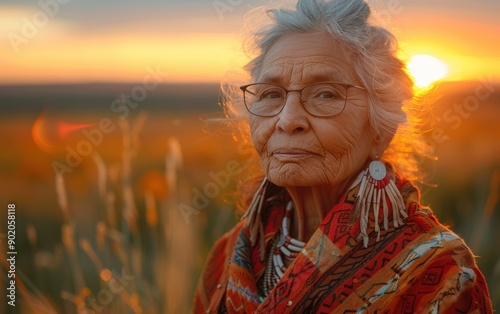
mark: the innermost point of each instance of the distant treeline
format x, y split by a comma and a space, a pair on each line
100, 97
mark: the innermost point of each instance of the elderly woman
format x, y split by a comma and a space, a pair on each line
336, 224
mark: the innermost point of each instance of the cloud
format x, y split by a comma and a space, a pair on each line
153, 16
31, 23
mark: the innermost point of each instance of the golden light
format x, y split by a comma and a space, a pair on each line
106, 274
426, 70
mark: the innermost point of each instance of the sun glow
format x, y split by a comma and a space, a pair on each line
426, 69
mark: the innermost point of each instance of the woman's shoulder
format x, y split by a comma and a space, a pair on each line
432, 236
438, 259
227, 240
425, 223
208, 295
422, 215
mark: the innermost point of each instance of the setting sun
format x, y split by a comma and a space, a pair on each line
426, 69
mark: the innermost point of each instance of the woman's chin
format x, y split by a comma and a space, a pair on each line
294, 178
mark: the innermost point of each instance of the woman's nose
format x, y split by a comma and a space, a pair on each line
293, 118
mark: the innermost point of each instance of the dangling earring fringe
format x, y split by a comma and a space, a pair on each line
253, 213
375, 187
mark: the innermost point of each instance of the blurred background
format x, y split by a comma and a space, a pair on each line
120, 190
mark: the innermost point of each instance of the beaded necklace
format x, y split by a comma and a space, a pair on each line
283, 246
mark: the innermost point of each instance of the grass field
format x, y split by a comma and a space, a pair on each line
127, 223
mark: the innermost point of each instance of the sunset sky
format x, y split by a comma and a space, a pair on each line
199, 40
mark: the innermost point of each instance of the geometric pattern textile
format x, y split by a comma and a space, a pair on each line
418, 267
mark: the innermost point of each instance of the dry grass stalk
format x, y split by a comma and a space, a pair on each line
110, 209
87, 248
130, 148
151, 210
101, 174
62, 198
69, 245
32, 235
493, 196
118, 245
173, 163
489, 207
101, 235
180, 240
77, 300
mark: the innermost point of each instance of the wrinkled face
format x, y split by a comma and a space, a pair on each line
296, 148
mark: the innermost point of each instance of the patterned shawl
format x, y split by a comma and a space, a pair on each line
419, 267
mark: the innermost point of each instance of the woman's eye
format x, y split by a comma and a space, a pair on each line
271, 95
328, 95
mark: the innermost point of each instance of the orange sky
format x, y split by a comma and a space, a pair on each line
202, 47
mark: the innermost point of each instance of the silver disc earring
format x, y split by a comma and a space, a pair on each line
376, 190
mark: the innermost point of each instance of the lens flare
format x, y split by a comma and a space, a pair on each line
43, 136
65, 129
49, 134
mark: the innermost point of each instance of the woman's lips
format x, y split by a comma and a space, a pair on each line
292, 154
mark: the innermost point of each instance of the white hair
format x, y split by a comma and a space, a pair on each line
373, 51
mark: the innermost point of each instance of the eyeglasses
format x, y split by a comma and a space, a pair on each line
323, 99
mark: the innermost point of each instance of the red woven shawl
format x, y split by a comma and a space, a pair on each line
419, 267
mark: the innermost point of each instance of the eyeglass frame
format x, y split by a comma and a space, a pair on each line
345, 85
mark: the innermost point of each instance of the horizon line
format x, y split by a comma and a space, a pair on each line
495, 80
